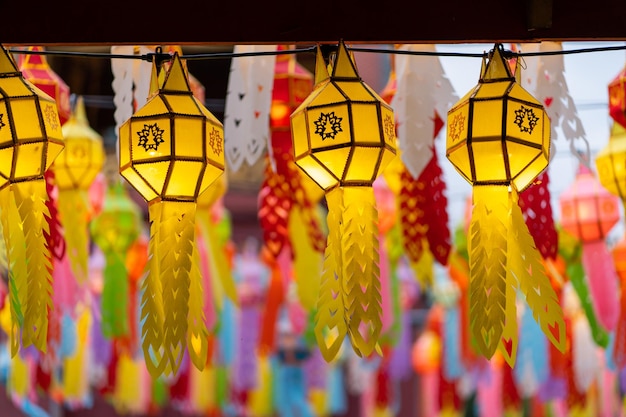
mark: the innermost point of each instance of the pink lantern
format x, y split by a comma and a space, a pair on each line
589, 212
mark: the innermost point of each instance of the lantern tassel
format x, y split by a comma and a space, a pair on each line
197, 333
488, 280
72, 209
16, 258
330, 322
361, 282
30, 198
152, 314
526, 263
307, 260
115, 298
602, 280
176, 241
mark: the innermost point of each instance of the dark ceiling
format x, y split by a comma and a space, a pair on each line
294, 22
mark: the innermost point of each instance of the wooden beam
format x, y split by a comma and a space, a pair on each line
77, 22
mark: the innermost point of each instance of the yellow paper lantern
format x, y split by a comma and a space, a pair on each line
171, 150
498, 139
343, 137
30, 140
611, 162
74, 172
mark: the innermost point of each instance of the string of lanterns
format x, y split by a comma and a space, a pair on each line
343, 136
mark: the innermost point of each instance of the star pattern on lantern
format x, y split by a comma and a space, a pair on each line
456, 126
2, 124
51, 116
150, 131
328, 125
389, 127
525, 119
215, 141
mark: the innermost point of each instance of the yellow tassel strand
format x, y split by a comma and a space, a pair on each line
30, 198
307, 262
16, 258
176, 241
330, 320
526, 263
73, 212
361, 281
197, 333
488, 249
152, 302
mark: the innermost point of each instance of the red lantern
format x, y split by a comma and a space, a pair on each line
35, 69
589, 212
617, 98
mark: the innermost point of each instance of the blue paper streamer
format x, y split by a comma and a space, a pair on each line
452, 363
67, 348
226, 333
532, 349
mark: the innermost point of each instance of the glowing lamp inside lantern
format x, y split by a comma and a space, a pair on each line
498, 133
588, 210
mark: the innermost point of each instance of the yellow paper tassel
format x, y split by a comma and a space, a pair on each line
488, 248
30, 199
330, 321
73, 212
361, 270
204, 224
260, 401
176, 242
221, 269
203, 390
19, 381
318, 400
307, 261
16, 258
526, 264
75, 379
197, 333
127, 386
152, 314
423, 269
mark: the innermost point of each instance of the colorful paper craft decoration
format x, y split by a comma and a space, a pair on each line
589, 212
617, 98
171, 150
498, 139
74, 172
30, 139
343, 137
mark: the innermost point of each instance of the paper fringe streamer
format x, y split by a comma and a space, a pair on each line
535, 204
30, 278
72, 206
503, 257
307, 263
115, 294
619, 347
55, 239
585, 360
197, 333
350, 300
602, 280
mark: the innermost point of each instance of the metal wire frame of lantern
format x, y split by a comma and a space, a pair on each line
343, 137
171, 150
498, 139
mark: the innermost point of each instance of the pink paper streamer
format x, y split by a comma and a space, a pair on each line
490, 394
603, 282
429, 388
210, 317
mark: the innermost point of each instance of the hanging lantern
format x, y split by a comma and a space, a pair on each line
617, 98
611, 163
589, 212
343, 137
35, 68
498, 139
114, 230
30, 139
171, 150
74, 172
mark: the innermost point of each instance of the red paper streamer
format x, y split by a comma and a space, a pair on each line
273, 301
54, 236
537, 210
510, 396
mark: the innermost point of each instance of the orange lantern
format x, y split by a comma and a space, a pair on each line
619, 346
35, 68
617, 98
589, 212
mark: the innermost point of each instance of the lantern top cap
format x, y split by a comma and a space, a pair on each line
29, 61
7, 63
497, 68
344, 66
321, 70
617, 130
176, 79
